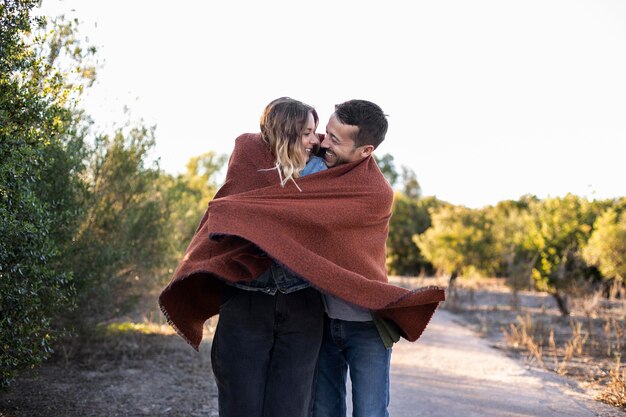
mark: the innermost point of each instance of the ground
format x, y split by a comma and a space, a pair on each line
132, 374
147, 370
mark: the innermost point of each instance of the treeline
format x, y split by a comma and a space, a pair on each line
567, 246
87, 222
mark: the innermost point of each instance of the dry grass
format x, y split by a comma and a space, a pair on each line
524, 335
615, 391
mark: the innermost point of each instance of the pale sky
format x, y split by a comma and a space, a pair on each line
487, 99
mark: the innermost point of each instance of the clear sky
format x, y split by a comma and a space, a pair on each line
487, 99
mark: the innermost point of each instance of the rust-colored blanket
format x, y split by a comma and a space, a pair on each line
330, 229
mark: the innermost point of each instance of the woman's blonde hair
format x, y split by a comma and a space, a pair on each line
283, 123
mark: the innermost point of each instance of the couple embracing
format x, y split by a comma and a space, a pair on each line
291, 254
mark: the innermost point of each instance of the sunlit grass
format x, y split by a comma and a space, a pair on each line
128, 327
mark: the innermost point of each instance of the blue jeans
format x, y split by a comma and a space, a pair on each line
264, 352
356, 346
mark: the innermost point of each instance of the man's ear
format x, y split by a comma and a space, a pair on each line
367, 150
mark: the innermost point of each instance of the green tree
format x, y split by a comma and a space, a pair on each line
561, 226
123, 240
409, 217
41, 154
188, 196
606, 248
388, 168
410, 186
513, 245
459, 241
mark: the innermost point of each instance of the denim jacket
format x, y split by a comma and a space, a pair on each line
276, 278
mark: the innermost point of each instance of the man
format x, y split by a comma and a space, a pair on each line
351, 339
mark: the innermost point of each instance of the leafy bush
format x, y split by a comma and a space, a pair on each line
409, 217
38, 195
606, 248
460, 240
122, 240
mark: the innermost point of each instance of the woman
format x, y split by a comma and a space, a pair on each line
269, 332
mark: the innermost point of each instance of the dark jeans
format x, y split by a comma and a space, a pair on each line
264, 352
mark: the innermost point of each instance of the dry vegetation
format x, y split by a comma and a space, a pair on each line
588, 346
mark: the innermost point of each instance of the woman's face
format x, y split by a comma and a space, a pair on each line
310, 142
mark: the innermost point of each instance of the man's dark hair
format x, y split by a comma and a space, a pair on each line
368, 117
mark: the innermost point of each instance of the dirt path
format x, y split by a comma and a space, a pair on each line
450, 371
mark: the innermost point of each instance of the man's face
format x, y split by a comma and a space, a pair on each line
339, 144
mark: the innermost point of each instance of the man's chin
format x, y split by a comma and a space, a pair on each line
330, 162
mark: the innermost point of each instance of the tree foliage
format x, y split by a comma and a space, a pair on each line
560, 229
513, 245
41, 155
188, 196
409, 217
388, 168
410, 186
124, 234
606, 248
460, 240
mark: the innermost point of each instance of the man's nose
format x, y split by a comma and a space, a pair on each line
325, 143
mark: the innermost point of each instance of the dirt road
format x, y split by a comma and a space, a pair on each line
451, 371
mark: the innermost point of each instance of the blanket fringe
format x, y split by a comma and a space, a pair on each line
171, 323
